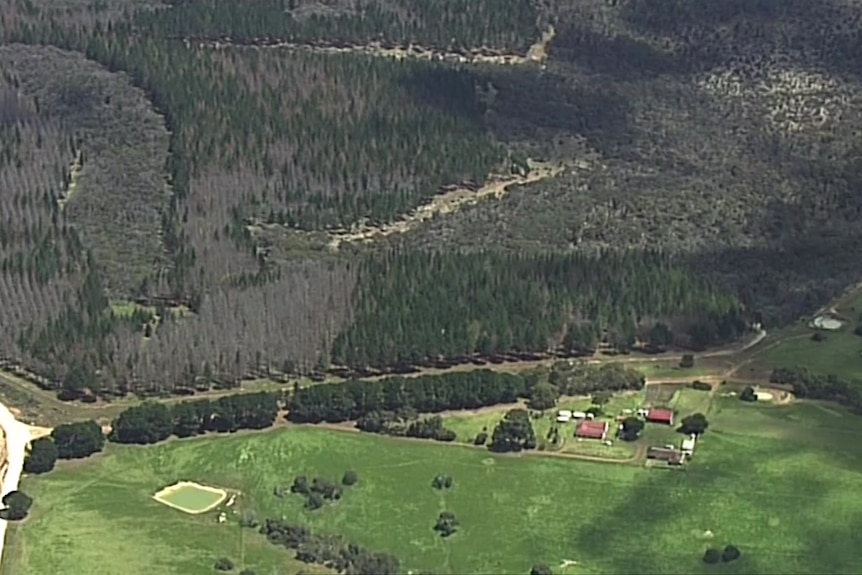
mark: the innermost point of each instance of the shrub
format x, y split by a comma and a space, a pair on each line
17, 505
818, 336
731, 553
350, 478
442, 482
43, 455
701, 385
858, 330
247, 572
481, 438
446, 524
224, 564
249, 519
748, 394
541, 569
712, 556
687, 361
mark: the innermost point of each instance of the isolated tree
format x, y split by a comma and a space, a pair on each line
687, 361
143, 424
481, 438
541, 569
224, 564
447, 523
712, 556
544, 396
514, 432
441, 481
78, 440
17, 505
350, 478
632, 428
695, 423
730, 553
42, 457
748, 394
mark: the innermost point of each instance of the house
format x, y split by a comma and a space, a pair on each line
657, 415
592, 430
688, 444
669, 456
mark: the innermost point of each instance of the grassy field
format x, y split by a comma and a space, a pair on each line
840, 353
776, 481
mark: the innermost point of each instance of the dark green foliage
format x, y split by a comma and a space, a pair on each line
748, 394
712, 556
224, 564
514, 432
329, 550
858, 329
695, 423
442, 481
445, 24
42, 457
16, 506
601, 397
355, 400
77, 440
730, 553
153, 422
249, 519
541, 569
248, 572
701, 385
316, 493
687, 361
481, 438
819, 386
146, 423
543, 396
632, 428
660, 336
350, 478
414, 306
818, 336
447, 524
586, 379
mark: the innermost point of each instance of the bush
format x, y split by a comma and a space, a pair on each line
541, 569
442, 482
687, 361
17, 505
818, 336
78, 440
247, 572
481, 438
701, 385
748, 394
43, 455
350, 478
224, 564
858, 330
731, 553
249, 519
712, 556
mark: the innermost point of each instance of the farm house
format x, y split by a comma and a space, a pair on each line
664, 416
592, 430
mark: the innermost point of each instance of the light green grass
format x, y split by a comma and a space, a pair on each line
670, 369
840, 354
779, 482
191, 498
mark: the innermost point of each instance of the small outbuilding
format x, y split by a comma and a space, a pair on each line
593, 430
688, 444
669, 456
657, 415
579, 415
565, 413
564, 418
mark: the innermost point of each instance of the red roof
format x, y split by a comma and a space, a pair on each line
660, 416
592, 429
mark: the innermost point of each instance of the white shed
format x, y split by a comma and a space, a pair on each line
565, 413
579, 415
563, 419
688, 444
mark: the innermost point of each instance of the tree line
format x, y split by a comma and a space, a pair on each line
411, 306
819, 386
507, 25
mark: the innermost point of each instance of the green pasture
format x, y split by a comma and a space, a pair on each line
670, 369
839, 354
779, 482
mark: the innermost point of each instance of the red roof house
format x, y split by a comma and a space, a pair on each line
660, 416
592, 429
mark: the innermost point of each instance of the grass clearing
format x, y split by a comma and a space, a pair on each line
839, 353
775, 481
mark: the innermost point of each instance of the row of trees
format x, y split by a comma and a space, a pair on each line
413, 306
153, 422
443, 24
819, 386
329, 550
354, 400
391, 423
67, 441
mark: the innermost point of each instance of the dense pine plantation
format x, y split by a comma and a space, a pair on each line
505, 25
414, 306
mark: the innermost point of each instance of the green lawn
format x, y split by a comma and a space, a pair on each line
779, 482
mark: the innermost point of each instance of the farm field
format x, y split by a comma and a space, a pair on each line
776, 481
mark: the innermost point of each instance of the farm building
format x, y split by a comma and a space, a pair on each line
579, 415
563, 418
688, 444
592, 430
664, 416
669, 456
567, 413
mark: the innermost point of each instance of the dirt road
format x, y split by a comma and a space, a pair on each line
16, 437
